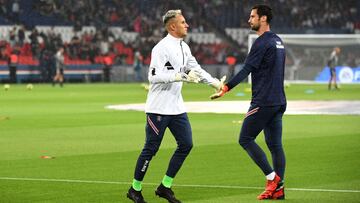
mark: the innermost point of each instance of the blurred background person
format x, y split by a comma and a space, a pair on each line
332, 63
107, 68
13, 61
231, 62
60, 66
138, 60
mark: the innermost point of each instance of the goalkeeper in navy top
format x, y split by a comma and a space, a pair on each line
171, 64
266, 63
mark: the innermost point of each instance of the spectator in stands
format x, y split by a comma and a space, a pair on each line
21, 35
12, 37
104, 46
12, 63
74, 47
3, 54
138, 61
332, 63
60, 66
47, 65
34, 43
15, 9
92, 52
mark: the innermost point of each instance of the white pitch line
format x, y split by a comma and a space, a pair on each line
182, 185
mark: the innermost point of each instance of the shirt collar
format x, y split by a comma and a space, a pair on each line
169, 36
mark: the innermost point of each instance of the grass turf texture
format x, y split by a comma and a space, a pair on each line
95, 144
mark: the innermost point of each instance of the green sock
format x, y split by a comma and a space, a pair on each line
167, 181
136, 185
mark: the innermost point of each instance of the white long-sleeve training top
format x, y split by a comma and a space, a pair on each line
171, 55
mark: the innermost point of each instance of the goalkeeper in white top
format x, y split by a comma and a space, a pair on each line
171, 64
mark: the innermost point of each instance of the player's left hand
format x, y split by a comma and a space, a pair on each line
218, 84
220, 93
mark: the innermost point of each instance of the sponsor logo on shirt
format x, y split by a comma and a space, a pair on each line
169, 66
279, 45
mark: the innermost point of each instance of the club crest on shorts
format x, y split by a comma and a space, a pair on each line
158, 118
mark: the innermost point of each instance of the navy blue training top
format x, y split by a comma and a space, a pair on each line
266, 62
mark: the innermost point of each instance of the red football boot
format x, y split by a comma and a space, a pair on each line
279, 192
270, 188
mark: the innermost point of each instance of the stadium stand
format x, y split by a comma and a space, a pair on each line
92, 29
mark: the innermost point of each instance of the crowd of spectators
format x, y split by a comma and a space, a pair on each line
290, 16
144, 17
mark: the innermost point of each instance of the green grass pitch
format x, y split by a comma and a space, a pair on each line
95, 149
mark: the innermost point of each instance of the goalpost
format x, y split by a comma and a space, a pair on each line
307, 55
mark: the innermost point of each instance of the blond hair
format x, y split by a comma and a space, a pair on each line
170, 14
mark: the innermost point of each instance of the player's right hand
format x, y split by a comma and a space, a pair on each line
193, 76
190, 77
181, 77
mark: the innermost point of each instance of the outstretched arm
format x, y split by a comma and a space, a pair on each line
158, 70
240, 76
204, 77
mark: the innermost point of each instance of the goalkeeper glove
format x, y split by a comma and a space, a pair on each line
218, 84
192, 76
220, 93
181, 77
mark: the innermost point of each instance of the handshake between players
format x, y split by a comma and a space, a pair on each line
194, 76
